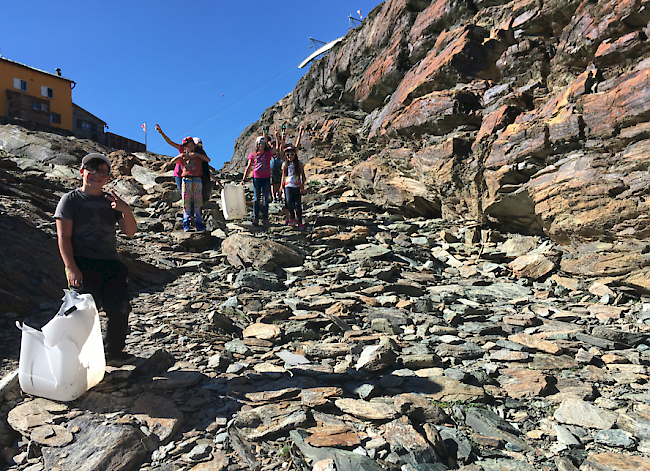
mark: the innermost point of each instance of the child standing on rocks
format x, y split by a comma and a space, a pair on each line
293, 182
192, 187
260, 161
85, 227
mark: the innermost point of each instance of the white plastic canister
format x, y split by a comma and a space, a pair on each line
233, 202
67, 358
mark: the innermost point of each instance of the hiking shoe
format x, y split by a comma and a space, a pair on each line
200, 227
256, 222
120, 359
265, 222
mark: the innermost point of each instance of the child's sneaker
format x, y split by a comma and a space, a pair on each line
200, 227
186, 226
290, 222
301, 226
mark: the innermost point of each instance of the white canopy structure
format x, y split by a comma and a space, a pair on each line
320, 51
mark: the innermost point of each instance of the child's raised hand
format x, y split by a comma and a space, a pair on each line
117, 203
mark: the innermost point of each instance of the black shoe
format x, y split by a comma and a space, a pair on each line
120, 359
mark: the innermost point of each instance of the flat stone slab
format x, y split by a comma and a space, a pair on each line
319, 396
97, 447
403, 438
366, 410
584, 414
177, 380
489, 424
161, 415
33, 414
615, 462
262, 331
270, 419
332, 436
420, 409
536, 343
524, 383
442, 388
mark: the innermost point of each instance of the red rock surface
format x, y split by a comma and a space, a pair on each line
530, 115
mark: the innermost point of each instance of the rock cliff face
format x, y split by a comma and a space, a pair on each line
528, 115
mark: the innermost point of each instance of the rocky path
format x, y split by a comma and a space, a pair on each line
369, 342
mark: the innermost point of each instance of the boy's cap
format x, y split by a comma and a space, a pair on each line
197, 141
85, 160
290, 147
187, 139
260, 139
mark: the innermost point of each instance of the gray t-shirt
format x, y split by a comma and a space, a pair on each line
93, 224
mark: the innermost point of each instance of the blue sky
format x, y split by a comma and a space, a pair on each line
196, 67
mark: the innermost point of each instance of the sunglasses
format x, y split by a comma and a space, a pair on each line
93, 171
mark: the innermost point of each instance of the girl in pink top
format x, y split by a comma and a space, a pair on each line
260, 161
192, 188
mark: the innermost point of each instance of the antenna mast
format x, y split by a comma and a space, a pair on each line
315, 43
354, 22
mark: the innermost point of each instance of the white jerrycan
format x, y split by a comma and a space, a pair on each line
233, 202
67, 358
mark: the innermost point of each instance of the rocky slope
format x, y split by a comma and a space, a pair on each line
373, 341
471, 292
526, 115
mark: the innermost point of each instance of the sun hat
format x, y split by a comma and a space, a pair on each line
89, 157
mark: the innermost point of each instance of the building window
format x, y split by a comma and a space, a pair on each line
20, 84
55, 118
47, 92
83, 125
41, 106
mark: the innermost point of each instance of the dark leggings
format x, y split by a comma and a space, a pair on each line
294, 206
106, 281
261, 195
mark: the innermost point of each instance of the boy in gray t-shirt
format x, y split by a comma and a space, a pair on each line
85, 226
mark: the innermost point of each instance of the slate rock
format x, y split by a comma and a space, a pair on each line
441, 388
584, 414
258, 280
162, 417
489, 424
266, 421
177, 380
366, 410
615, 462
636, 423
405, 440
98, 447
420, 409
267, 255
614, 437
343, 460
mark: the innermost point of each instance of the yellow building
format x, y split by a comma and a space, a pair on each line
35, 95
